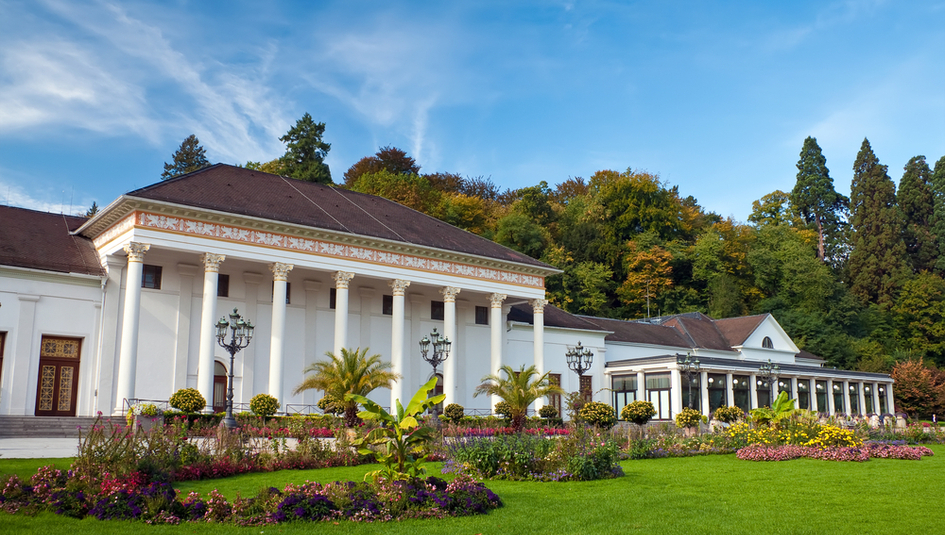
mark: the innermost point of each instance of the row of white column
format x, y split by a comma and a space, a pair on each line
280, 271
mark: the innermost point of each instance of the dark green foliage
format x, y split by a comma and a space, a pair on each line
938, 213
521, 233
188, 158
916, 203
92, 210
814, 197
454, 412
305, 151
877, 261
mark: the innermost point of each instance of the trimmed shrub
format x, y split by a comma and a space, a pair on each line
454, 412
331, 405
688, 418
599, 414
503, 409
728, 414
264, 405
548, 412
638, 412
188, 400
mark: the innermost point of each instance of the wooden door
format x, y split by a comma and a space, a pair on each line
220, 379
58, 376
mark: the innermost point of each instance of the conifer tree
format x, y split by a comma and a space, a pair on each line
938, 213
877, 262
916, 203
188, 158
305, 151
814, 197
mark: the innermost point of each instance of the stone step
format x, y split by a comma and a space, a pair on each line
47, 426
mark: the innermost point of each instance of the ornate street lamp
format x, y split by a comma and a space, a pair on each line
579, 360
241, 332
690, 367
441, 351
770, 373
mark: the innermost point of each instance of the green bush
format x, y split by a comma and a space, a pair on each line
331, 405
454, 412
728, 414
599, 414
688, 418
638, 412
188, 400
264, 405
548, 412
503, 409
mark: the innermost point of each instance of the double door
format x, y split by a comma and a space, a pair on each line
58, 376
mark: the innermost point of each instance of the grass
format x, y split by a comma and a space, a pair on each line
714, 494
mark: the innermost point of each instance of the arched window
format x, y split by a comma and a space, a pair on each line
767, 343
219, 387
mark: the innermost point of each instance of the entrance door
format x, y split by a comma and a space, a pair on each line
58, 376
219, 387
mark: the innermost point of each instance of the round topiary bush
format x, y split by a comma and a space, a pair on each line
188, 400
454, 412
728, 414
599, 414
548, 412
503, 409
688, 418
264, 405
331, 405
638, 412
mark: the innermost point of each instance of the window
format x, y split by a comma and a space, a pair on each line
786, 385
764, 392
151, 277
288, 292
868, 398
555, 399
803, 394
854, 398
767, 343
388, 307
223, 285
586, 387
658, 387
436, 310
741, 390
718, 395
838, 404
821, 393
883, 407
219, 387
332, 298
625, 390
482, 315
692, 397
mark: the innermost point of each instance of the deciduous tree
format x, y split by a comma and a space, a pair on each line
391, 159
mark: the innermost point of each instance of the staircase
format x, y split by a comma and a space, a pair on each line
48, 426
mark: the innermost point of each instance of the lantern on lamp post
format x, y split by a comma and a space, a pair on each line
441, 351
241, 332
690, 367
770, 373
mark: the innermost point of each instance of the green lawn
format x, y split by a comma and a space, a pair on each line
715, 494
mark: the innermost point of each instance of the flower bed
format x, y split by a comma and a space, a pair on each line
133, 498
840, 453
497, 431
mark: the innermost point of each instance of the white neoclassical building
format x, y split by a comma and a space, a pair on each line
97, 312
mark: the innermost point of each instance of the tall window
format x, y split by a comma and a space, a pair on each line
838, 403
223, 285
332, 297
151, 277
555, 399
625, 390
482, 315
764, 392
868, 398
767, 343
882, 409
717, 391
696, 401
387, 308
436, 310
821, 393
786, 385
854, 398
658, 390
803, 394
741, 389
587, 390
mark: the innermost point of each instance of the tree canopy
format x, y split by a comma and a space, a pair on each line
188, 158
305, 151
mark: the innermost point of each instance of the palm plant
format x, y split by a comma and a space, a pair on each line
518, 389
353, 372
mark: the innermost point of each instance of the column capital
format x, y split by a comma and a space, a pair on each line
399, 286
211, 261
496, 300
280, 271
450, 293
136, 251
342, 278
538, 305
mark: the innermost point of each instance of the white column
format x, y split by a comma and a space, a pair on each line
208, 318
753, 391
846, 397
128, 354
280, 276
449, 332
890, 402
677, 395
398, 288
794, 390
704, 392
641, 387
814, 405
342, 278
495, 328
729, 390
831, 408
538, 338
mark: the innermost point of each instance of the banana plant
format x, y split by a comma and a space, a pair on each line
399, 442
782, 408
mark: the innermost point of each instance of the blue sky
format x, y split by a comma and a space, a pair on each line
714, 97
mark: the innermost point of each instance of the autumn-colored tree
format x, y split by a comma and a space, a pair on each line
466, 212
390, 159
917, 204
918, 390
649, 276
408, 189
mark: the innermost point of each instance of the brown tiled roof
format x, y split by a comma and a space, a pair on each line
236, 190
40, 240
807, 355
554, 317
700, 330
737, 330
640, 332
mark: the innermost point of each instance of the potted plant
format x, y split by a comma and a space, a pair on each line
145, 416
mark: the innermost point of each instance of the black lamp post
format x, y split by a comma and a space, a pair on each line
579, 360
241, 333
690, 367
441, 351
770, 373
